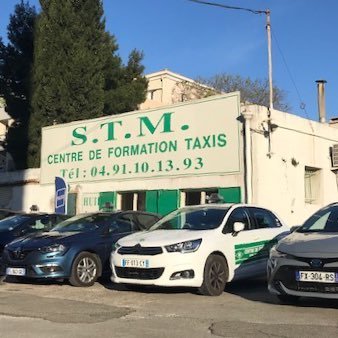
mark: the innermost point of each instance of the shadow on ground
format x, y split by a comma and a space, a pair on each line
251, 289
256, 290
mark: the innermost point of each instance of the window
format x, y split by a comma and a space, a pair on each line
311, 184
141, 201
132, 200
195, 197
325, 220
238, 215
125, 223
263, 218
145, 220
127, 201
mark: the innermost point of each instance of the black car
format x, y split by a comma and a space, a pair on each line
4, 213
23, 224
77, 249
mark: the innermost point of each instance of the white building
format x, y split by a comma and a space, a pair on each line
177, 154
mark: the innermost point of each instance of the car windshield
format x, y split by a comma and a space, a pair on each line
12, 222
325, 220
83, 223
204, 218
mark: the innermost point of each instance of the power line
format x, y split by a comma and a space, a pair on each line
229, 7
268, 30
302, 104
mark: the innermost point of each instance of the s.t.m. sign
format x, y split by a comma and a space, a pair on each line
196, 138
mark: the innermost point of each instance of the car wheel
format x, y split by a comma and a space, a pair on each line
215, 276
85, 270
288, 299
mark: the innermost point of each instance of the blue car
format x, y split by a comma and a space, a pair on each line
23, 224
77, 249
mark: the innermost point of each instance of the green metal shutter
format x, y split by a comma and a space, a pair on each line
151, 201
231, 195
161, 201
167, 201
107, 197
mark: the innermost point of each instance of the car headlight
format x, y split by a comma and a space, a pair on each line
115, 247
184, 247
55, 248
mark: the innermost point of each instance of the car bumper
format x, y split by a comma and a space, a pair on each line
166, 269
281, 274
37, 266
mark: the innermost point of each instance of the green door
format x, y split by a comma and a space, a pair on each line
107, 200
161, 201
151, 201
167, 201
231, 195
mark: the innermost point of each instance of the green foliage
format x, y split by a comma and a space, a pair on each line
130, 88
77, 74
15, 79
252, 91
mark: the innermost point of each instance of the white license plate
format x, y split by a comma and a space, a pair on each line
135, 263
16, 271
317, 276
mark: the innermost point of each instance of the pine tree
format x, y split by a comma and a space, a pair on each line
16, 60
77, 74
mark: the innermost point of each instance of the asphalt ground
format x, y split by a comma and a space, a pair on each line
245, 309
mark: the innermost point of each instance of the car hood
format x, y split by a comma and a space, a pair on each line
162, 237
45, 239
312, 244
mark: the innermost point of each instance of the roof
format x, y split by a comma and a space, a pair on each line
167, 72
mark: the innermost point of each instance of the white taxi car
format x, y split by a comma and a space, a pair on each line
202, 246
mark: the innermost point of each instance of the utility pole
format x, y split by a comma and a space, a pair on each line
268, 31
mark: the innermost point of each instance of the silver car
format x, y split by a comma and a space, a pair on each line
305, 263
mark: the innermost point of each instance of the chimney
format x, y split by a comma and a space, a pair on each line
321, 100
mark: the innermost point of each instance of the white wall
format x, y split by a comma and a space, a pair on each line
278, 180
19, 190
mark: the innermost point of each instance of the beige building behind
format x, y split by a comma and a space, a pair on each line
166, 88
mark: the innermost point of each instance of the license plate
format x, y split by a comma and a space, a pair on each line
317, 276
16, 271
135, 263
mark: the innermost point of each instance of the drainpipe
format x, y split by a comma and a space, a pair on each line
321, 100
247, 115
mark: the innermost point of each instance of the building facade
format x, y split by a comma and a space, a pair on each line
167, 156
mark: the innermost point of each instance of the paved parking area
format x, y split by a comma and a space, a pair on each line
107, 310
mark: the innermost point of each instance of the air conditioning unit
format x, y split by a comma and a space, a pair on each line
335, 155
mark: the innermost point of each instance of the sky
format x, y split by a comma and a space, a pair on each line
196, 40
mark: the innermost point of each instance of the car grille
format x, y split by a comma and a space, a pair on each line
137, 273
18, 254
140, 250
287, 275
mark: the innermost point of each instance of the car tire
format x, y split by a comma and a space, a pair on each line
215, 276
86, 269
288, 299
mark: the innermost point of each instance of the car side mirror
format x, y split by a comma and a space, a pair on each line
238, 227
